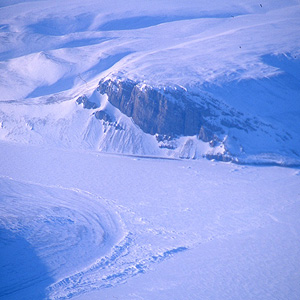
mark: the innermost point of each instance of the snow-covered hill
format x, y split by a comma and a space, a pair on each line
153, 82
219, 80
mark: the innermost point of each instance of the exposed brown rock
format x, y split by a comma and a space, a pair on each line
86, 103
155, 110
174, 111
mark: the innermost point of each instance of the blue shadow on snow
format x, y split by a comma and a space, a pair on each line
67, 83
148, 21
22, 274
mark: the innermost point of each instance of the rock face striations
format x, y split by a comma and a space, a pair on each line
163, 111
173, 112
207, 126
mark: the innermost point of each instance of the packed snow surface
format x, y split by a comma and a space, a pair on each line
78, 223
97, 226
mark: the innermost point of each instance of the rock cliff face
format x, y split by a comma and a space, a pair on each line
173, 112
86, 103
159, 111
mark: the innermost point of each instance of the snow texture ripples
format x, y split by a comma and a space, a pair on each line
65, 231
69, 242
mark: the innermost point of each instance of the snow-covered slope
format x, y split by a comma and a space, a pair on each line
236, 66
158, 81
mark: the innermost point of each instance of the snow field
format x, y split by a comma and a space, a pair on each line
207, 45
190, 228
67, 229
77, 223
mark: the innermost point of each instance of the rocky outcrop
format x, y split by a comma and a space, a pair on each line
103, 115
171, 112
205, 134
86, 102
160, 111
107, 119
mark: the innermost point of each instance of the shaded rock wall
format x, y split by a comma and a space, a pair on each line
157, 111
86, 102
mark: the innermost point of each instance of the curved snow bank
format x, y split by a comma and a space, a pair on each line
58, 243
231, 218
53, 231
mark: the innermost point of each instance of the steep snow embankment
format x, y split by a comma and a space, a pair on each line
66, 124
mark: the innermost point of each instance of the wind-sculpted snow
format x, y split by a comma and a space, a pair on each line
110, 270
144, 228
66, 228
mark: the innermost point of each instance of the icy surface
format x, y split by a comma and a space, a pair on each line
78, 223
66, 228
104, 226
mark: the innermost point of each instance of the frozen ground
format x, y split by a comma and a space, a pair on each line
78, 223
98, 226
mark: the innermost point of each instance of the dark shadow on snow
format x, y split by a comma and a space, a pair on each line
57, 26
67, 83
22, 274
290, 64
148, 21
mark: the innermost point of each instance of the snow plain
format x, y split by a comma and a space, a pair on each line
175, 229
78, 223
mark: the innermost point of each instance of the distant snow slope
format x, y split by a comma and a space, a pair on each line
244, 55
